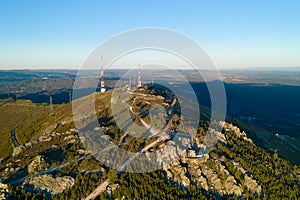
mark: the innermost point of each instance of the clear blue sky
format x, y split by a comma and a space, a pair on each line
61, 34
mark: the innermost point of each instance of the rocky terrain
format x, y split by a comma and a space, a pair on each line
36, 176
57, 163
185, 167
3, 191
48, 185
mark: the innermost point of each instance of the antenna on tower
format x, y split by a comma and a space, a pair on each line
102, 85
139, 76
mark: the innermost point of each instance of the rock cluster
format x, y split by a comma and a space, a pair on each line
48, 185
37, 165
237, 131
183, 166
251, 184
44, 138
3, 191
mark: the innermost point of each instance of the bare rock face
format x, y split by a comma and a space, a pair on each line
18, 150
252, 185
3, 191
231, 186
184, 166
37, 165
48, 185
250, 182
167, 155
212, 178
180, 176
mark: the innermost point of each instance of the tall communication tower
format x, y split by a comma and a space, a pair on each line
102, 85
139, 84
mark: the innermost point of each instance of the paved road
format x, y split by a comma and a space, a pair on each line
13, 138
98, 190
103, 186
15, 182
156, 133
122, 138
162, 136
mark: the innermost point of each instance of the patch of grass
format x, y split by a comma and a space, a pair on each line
22, 115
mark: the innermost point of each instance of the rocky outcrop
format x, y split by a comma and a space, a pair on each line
48, 185
3, 191
251, 184
18, 150
37, 165
237, 131
184, 167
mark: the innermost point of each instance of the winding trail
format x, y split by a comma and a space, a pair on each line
13, 138
158, 133
162, 134
155, 133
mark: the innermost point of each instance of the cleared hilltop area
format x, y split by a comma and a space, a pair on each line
50, 159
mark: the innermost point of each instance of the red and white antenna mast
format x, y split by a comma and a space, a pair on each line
139, 76
102, 85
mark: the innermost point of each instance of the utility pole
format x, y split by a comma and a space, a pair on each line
45, 84
70, 96
129, 84
51, 104
139, 76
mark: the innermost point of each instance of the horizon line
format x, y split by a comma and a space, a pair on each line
125, 68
